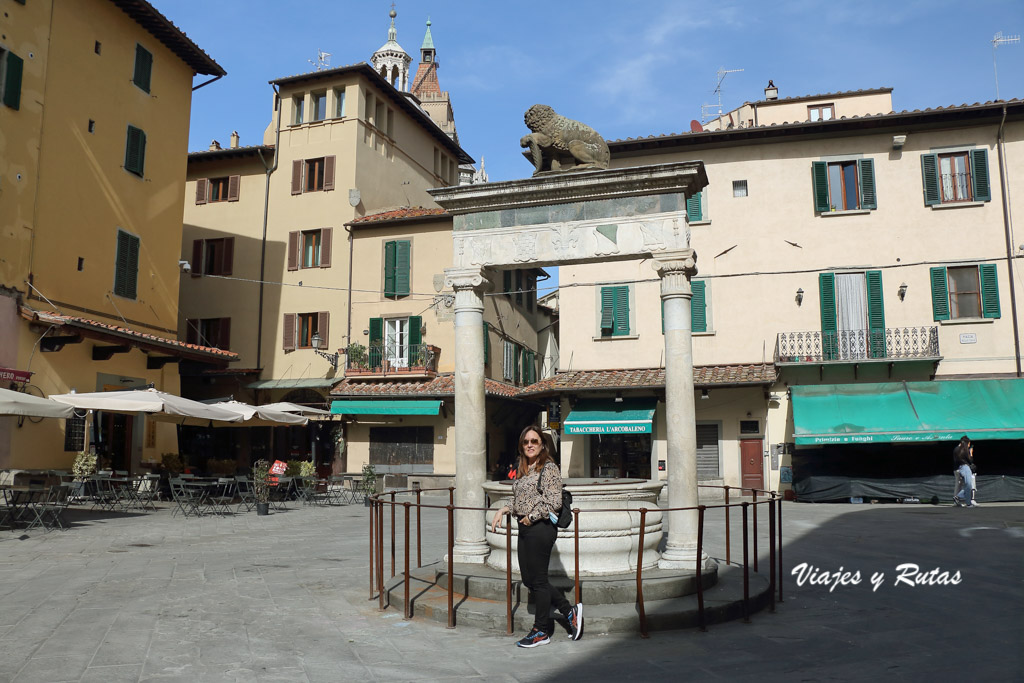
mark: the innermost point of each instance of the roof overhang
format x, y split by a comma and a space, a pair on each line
147, 16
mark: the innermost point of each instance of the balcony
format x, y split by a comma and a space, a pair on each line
409, 361
858, 346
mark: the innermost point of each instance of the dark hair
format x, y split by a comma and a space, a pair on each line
963, 447
542, 459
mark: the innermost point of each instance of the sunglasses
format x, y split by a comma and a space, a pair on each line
531, 442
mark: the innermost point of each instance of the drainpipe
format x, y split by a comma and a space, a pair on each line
1004, 190
266, 213
348, 332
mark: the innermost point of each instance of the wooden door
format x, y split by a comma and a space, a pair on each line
752, 463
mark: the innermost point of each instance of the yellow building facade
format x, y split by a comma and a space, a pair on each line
92, 174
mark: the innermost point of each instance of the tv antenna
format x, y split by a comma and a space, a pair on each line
323, 60
705, 108
997, 40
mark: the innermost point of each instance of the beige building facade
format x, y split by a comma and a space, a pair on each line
93, 123
866, 246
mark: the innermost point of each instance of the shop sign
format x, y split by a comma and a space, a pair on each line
608, 428
11, 375
968, 338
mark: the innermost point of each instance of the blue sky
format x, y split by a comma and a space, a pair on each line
627, 69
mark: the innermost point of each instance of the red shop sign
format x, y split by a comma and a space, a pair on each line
10, 375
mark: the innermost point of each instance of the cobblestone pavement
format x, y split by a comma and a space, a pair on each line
151, 597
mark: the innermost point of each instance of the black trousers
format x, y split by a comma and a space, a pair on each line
535, 544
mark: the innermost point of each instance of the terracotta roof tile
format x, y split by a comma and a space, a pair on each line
652, 378
170, 345
399, 214
442, 385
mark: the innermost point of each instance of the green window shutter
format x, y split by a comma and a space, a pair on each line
868, 200
621, 311
876, 314
827, 293
402, 267
487, 342
989, 290
126, 265
607, 309
133, 266
930, 181
517, 354
12, 81
819, 181
135, 151
940, 294
698, 307
979, 176
531, 367
416, 355
143, 67
389, 268
376, 351
693, 208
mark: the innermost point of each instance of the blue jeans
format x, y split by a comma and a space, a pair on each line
965, 473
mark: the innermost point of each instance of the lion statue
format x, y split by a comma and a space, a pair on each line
561, 144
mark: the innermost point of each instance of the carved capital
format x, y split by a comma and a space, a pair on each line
675, 269
469, 285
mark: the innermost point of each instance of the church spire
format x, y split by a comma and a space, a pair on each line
391, 61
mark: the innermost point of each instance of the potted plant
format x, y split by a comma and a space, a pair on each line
83, 468
307, 469
369, 483
261, 486
356, 357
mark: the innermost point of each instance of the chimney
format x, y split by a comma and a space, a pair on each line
771, 92
234, 139
214, 145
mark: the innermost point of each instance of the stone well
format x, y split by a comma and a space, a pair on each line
608, 540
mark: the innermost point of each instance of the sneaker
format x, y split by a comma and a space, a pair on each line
534, 638
957, 502
575, 619
973, 504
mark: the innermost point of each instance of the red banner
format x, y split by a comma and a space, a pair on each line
10, 375
278, 467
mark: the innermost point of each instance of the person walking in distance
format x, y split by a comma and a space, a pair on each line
963, 460
536, 499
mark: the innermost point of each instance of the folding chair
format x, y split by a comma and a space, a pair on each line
246, 494
184, 498
147, 490
106, 497
304, 489
51, 509
220, 495
338, 493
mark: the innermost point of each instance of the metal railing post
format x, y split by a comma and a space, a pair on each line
700, 569
419, 531
771, 551
746, 569
728, 545
753, 493
380, 552
576, 551
406, 614
639, 575
373, 538
508, 573
451, 568
778, 520
393, 534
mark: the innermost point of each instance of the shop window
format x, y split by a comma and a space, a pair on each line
625, 456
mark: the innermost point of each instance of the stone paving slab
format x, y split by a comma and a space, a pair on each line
286, 598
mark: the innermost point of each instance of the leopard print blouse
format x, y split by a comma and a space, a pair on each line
527, 502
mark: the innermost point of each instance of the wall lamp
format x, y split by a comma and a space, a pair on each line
898, 141
902, 291
799, 296
704, 393
332, 358
618, 397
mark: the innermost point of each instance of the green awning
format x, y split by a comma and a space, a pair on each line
605, 416
386, 407
908, 411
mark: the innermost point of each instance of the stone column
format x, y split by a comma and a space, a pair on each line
675, 269
470, 414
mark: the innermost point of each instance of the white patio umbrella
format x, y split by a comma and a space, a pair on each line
260, 416
158, 405
26, 405
286, 407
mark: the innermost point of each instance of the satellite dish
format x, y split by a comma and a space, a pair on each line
695, 126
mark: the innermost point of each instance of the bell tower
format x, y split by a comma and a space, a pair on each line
391, 61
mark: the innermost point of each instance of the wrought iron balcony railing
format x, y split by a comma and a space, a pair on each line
398, 359
844, 346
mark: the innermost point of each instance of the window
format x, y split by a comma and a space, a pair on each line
215, 332
739, 188
510, 361
126, 265
92, 126
750, 426
313, 175
843, 185
135, 151
390, 129
954, 177
213, 257
217, 189
319, 106
143, 68
97, 47
700, 308
852, 315
965, 292
506, 283
821, 112
339, 103
397, 264
396, 342
380, 115
74, 433
309, 248
399, 341
307, 328
298, 109
695, 207
519, 287
10, 78
615, 311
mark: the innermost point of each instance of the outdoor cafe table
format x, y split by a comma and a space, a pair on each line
18, 500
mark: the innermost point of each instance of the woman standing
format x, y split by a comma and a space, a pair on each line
536, 497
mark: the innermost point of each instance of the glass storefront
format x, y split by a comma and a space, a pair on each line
620, 456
